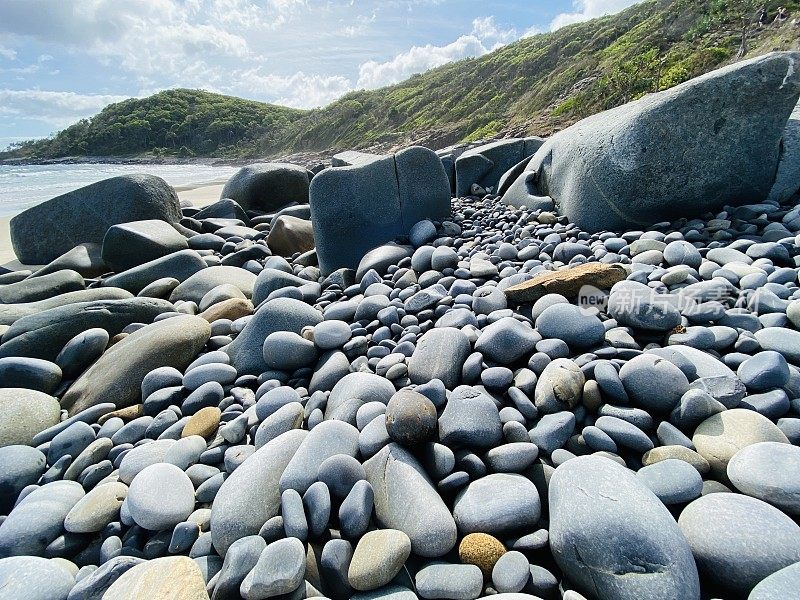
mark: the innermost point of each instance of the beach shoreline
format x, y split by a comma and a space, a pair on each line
199, 194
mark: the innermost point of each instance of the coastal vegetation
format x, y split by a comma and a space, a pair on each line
536, 85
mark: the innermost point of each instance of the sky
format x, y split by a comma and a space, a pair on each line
63, 60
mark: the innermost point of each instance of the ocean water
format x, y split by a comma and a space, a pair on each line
23, 186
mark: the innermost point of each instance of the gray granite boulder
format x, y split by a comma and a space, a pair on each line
267, 187
179, 265
34, 289
34, 578
250, 495
486, 164
200, 283
85, 258
46, 231
737, 540
406, 499
24, 413
787, 181
715, 138
117, 375
10, 313
356, 208
44, 334
613, 538
280, 314
38, 519
130, 244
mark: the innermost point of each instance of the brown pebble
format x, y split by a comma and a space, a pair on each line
117, 338
204, 422
233, 308
126, 414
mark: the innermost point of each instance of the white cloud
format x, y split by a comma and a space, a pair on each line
7, 53
299, 90
487, 30
372, 74
589, 9
485, 36
58, 109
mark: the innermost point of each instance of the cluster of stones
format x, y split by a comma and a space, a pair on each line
500, 403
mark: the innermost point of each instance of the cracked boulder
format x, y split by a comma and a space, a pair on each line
692, 149
371, 200
613, 538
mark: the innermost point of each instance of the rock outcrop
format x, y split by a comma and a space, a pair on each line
48, 230
711, 141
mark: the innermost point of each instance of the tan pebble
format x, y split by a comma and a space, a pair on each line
204, 422
482, 550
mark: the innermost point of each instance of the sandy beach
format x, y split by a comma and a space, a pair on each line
199, 195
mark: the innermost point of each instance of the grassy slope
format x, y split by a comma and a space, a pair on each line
543, 83
534, 86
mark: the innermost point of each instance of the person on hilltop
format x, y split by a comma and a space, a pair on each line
781, 16
762, 16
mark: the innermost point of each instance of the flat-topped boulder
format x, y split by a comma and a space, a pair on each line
689, 150
353, 158
128, 245
356, 208
48, 230
267, 187
486, 164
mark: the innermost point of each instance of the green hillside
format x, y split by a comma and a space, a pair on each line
174, 122
533, 86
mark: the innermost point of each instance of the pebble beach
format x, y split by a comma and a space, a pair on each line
479, 372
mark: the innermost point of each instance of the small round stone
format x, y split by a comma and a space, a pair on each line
279, 570
764, 371
722, 435
204, 422
511, 572
411, 418
24, 413
331, 334
174, 577
96, 509
378, 557
340, 473
482, 550
288, 351
673, 481
768, 471
160, 496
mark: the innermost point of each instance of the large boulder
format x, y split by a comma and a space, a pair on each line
10, 313
44, 334
613, 538
117, 375
358, 207
131, 244
46, 231
486, 164
280, 314
787, 181
267, 187
290, 235
711, 141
